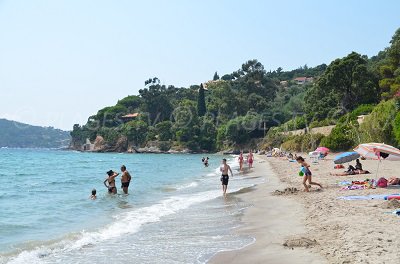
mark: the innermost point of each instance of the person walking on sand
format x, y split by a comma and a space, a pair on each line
125, 179
225, 168
241, 160
111, 182
307, 174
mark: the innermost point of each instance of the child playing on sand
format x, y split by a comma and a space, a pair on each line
307, 174
93, 196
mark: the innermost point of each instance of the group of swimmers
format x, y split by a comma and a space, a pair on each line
110, 182
249, 158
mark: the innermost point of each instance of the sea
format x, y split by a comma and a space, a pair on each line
174, 212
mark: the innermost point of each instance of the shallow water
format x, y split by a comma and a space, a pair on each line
173, 214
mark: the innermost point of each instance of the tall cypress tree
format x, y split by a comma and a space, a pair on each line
216, 76
201, 102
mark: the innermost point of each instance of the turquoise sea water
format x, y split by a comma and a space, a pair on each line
174, 213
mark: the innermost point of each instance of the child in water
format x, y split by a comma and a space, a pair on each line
307, 174
93, 196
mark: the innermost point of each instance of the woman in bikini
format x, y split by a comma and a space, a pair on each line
111, 182
307, 174
241, 160
250, 159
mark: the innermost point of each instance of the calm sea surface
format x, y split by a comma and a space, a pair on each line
174, 213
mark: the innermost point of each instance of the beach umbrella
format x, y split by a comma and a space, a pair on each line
378, 151
346, 157
323, 150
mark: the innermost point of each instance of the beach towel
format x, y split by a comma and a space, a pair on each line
365, 197
382, 183
353, 187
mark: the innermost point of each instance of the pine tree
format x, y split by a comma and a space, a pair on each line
201, 103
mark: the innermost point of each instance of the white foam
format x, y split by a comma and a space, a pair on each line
186, 186
127, 223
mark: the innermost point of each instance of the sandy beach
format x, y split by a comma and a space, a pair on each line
317, 227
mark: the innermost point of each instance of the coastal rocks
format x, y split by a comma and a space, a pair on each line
121, 145
300, 242
286, 191
99, 143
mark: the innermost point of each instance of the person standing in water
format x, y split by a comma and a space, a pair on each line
111, 182
125, 179
206, 162
307, 174
225, 168
241, 160
250, 159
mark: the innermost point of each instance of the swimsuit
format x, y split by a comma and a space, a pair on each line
224, 179
125, 184
307, 172
110, 189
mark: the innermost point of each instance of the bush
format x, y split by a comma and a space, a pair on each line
299, 122
164, 130
165, 146
303, 143
325, 122
396, 128
379, 125
273, 139
342, 137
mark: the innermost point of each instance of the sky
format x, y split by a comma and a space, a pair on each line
63, 60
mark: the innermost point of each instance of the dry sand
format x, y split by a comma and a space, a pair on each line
317, 227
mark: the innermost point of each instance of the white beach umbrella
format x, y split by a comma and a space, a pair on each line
378, 151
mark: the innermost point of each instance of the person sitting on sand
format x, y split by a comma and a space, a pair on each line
307, 174
93, 196
358, 165
111, 182
393, 181
290, 156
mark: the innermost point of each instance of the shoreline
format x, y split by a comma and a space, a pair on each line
270, 221
361, 231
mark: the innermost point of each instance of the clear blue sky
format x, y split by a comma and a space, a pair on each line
62, 60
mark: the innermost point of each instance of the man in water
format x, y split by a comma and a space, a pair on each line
125, 179
225, 168
206, 162
111, 182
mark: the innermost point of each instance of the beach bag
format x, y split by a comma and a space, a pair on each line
382, 183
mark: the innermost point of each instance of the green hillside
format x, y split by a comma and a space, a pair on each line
18, 135
250, 105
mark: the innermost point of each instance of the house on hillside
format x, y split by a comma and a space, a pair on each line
129, 117
283, 83
303, 80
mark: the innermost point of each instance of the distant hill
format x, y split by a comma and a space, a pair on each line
18, 135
